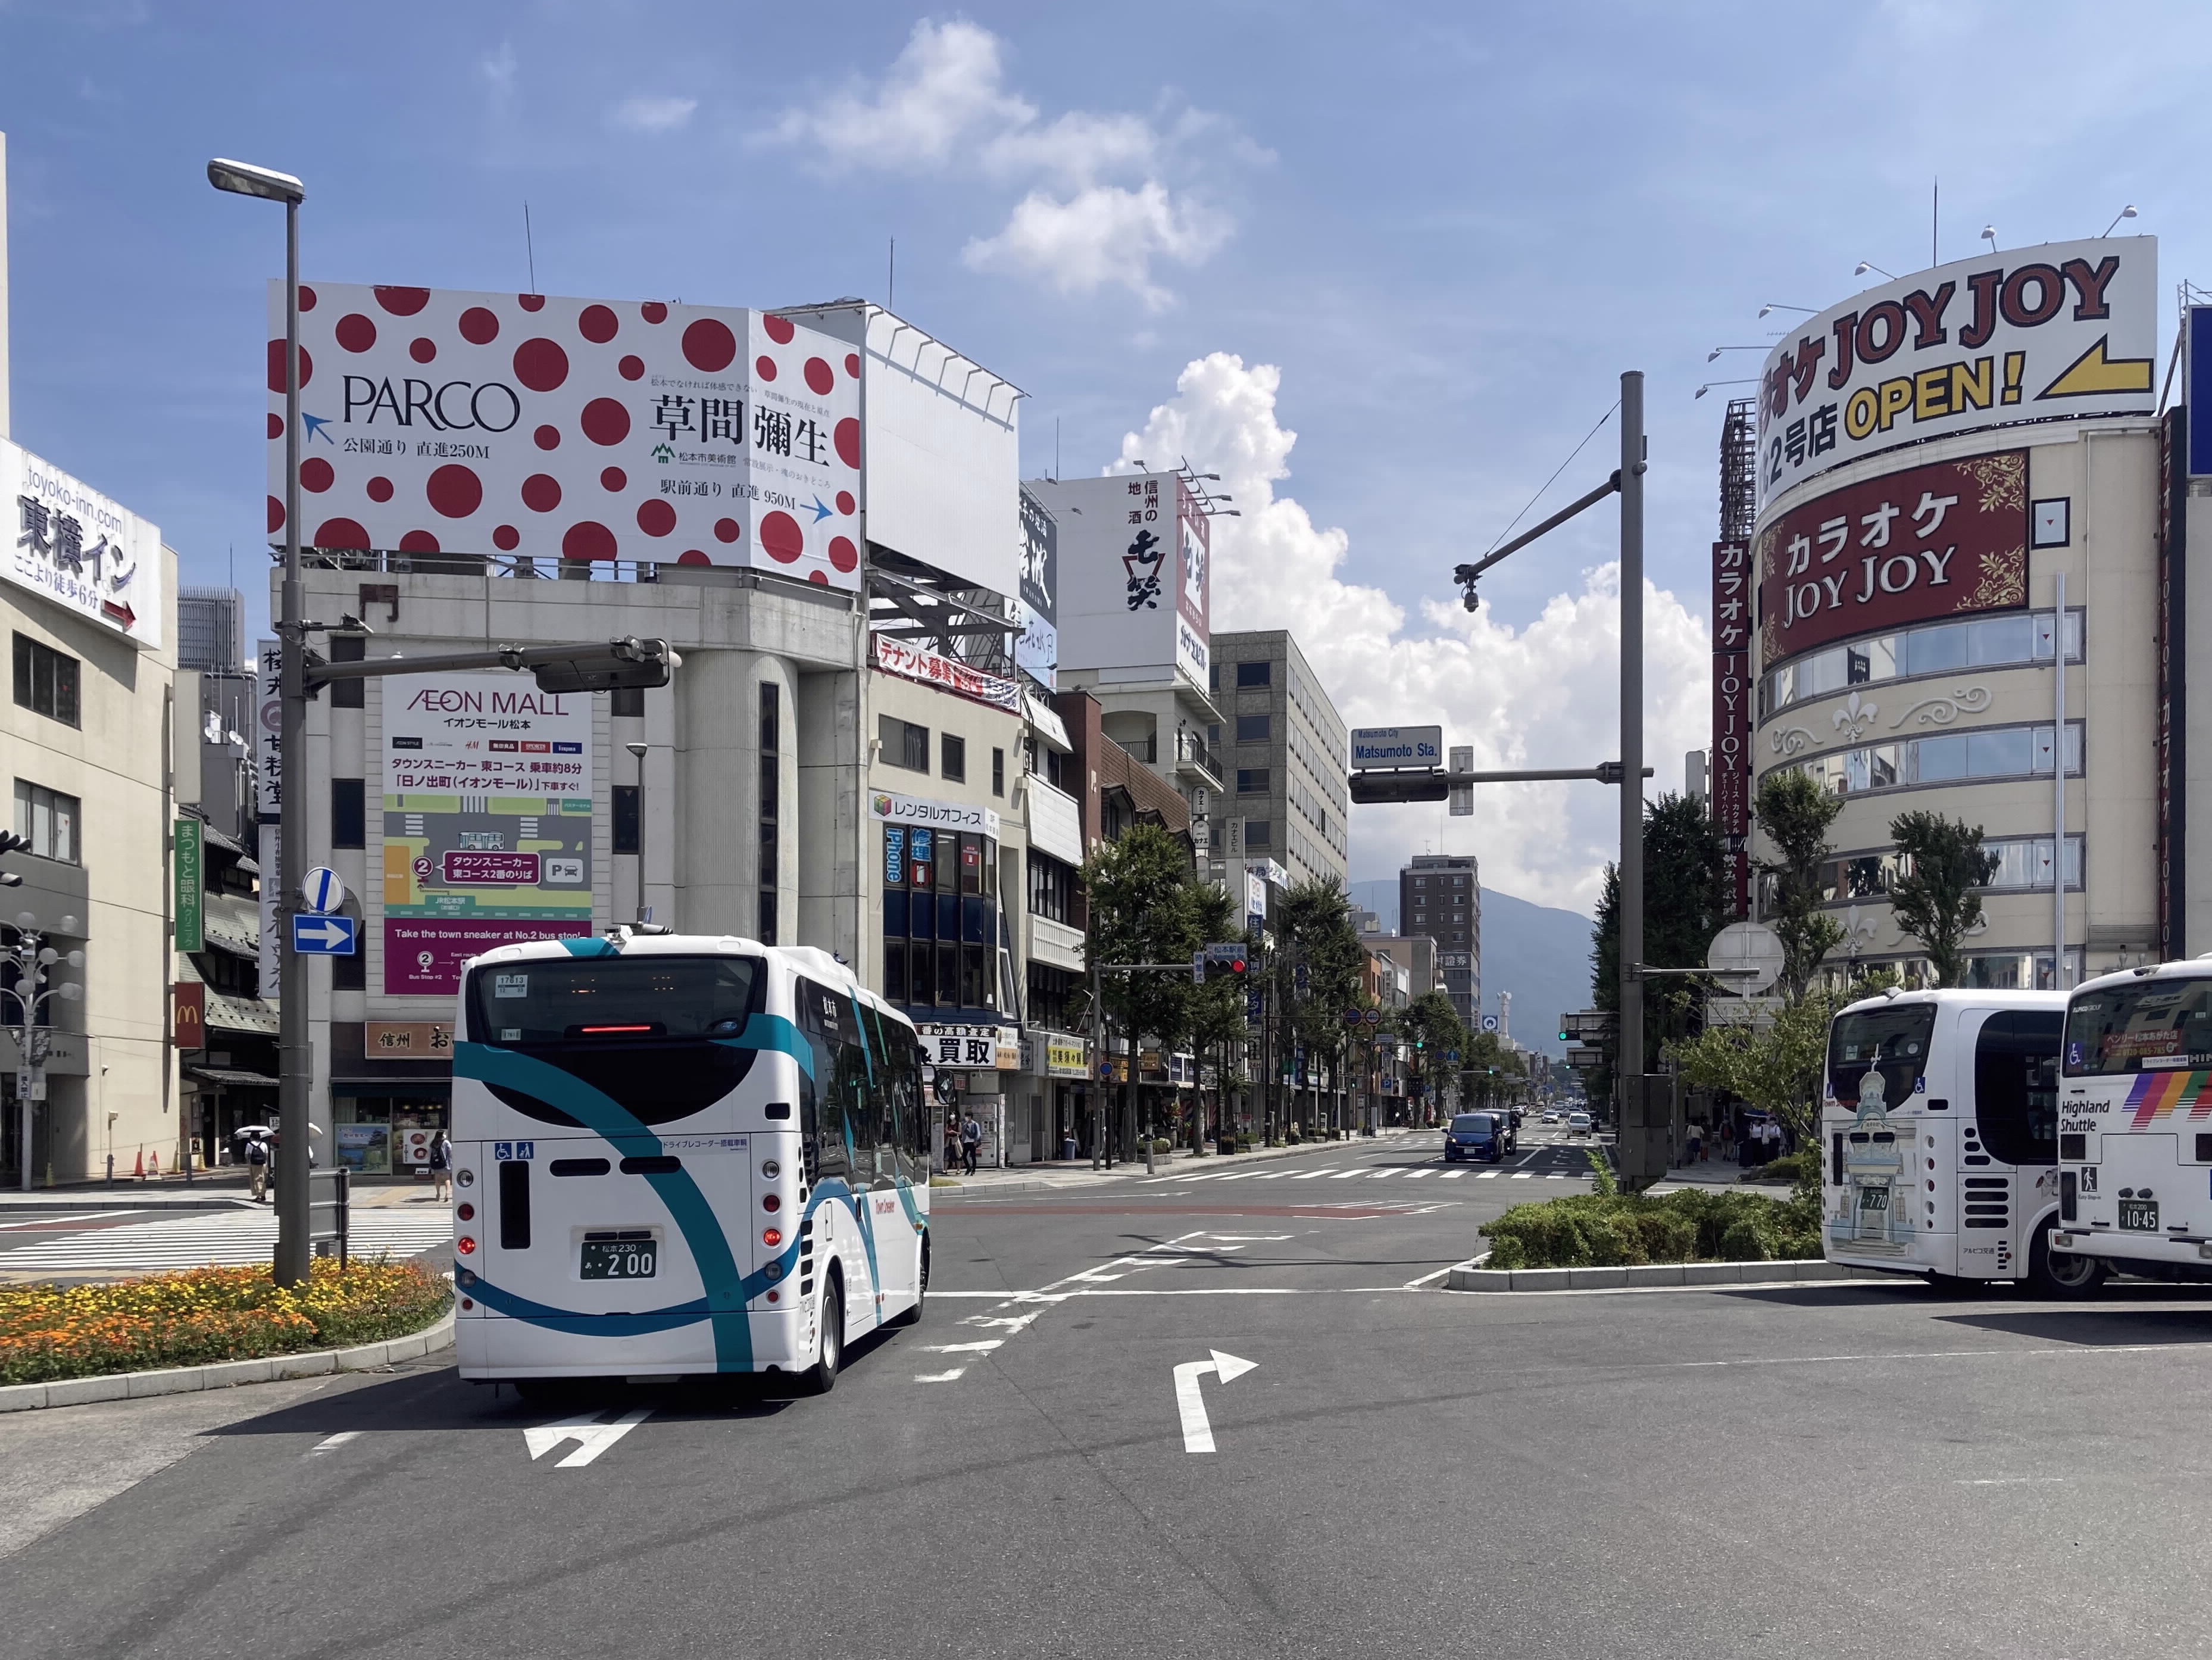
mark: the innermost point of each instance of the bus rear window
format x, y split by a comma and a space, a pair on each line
2150, 1026
1888, 1045
612, 1000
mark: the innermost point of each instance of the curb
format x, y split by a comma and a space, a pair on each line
1469, 1276
189, 1380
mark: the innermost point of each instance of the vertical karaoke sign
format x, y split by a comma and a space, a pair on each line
1731, 755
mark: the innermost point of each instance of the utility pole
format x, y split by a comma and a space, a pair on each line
1631, 744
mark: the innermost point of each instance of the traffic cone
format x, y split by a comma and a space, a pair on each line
138, 1170
157, 1163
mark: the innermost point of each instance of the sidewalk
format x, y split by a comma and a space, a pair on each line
1056, 1174
1712, 1175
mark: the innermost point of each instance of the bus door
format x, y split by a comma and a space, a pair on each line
834, 1117
2007, 1138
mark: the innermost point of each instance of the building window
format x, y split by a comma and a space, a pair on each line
47, 821
952, 757
627, 701
45, 681
349, 813
1254, 674
1459, 881
1252, 728
771, 791
998, 772
349, 973
940, 919
626, 818
1259, 833
1252, 781
348, 693
1052, 888
1933, 648
904, 744
1953, 758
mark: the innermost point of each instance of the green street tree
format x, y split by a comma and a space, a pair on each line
1315, 930
1434, 1031
1936, 899
1144, 908
1217, 1008
1683, 909
1794, 814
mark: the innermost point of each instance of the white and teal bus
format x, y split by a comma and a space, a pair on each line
2134, 1124
678, 1155
1940, 1132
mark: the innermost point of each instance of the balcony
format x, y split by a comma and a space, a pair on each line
1192, 756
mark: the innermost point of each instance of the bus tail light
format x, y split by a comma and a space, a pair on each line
466, 1212
771, 1203
771, 1236
466, 1246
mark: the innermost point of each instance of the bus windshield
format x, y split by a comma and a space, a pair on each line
1877, 1057
622, 1000
2147, 1026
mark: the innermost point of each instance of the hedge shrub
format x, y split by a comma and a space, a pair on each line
1599, 1230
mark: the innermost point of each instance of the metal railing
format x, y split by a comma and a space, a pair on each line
1191, 748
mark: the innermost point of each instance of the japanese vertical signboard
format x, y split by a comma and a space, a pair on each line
1732, 680
268, 792
2065, 328
186, 853
72, 546
1133, 560
1037, 651
188, 1021
487, 822
587, 430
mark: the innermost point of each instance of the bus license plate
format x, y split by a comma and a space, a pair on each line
2139, 1215
621, 1259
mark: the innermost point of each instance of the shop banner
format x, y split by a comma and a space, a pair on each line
528, 424
190, 872
406, 1040
911, 663
1731, 741
268, 731
1132, 556
2064, 329
1036, 653
894, 809
487, 786
72, 546
1908, 547
189, 1024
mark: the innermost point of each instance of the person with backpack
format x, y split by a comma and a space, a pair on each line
441, 1167
971, 1142
257, 1168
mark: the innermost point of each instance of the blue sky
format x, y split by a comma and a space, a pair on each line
1423, 240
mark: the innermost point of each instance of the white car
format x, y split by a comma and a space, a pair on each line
1550, 1116
1578, 1123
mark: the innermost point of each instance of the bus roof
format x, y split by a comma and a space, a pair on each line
622, 942
2188, 968
1967, 997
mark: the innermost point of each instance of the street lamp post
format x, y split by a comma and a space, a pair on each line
637, 754
34, 960
293, 1064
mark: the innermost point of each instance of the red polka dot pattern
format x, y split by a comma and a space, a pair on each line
655, 517
455, 491
276, 367
843, 554
852, 364
820, 377
709, 345
505, 537
339, 534
275, 426
597, 324
379, 490
276, 515
727, 530
306, 298
422, 351
403, 302
606, 422
848, 439
613, 478
540, 365
317, 475
816, 576
541, 492
693, 557
418, 541
356, 332
846, 504
588, 540
531, 302
631, 369
764, 366
479, 327
653, 311
780, 537
547, 438
778, 329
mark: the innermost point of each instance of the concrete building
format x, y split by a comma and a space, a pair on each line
1416, 954
1284, 744
1441, 895
211, 631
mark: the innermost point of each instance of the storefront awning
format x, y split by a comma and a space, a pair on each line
231, 1077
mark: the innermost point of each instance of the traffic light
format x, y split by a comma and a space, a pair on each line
1221, 957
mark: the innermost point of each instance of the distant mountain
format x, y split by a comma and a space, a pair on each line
1538, 953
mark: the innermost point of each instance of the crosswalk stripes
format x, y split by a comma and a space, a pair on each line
1357, 1171
228, 1239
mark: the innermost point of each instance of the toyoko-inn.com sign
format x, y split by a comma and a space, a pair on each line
526, 424
2061, 330
73, 546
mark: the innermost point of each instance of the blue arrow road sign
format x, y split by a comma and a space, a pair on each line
322, 893
323, 936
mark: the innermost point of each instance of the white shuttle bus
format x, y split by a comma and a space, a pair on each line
1940, 1126
2135, 1120
677, 1154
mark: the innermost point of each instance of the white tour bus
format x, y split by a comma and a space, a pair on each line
2135, 1120
1939, 1125
681, 1154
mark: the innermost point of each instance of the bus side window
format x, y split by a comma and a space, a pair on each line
825, 1017
858, 1099
2016, 1085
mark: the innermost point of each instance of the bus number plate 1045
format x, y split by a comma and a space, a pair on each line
625, 1256
2139, 1215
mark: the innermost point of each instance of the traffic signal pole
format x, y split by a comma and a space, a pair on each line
1632, 747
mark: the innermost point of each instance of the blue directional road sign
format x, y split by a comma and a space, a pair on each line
323, 936
322, 893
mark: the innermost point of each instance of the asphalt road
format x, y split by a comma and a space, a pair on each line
1834, 1469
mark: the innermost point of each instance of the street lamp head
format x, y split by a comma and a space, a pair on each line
69, 925
244, 178
636, 749
75, 960
71, 991
48, 956
25, 919
1989, 235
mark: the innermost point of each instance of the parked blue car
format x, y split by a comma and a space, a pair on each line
1485, 1135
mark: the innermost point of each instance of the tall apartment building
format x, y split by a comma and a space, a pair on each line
211, 631
1285, 746
1441, 895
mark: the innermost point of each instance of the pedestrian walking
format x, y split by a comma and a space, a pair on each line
971, 1142
257, 1168
441, 1167
1697, 1144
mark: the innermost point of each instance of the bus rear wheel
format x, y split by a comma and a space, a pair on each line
822, 1376
2062, 1274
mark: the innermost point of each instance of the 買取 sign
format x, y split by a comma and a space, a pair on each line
1382, 748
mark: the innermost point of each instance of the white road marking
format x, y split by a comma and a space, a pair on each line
1413, 1284
939, 1376
1379, 1174
984, 1347
56, 1221
1411, 1174
2015, 1481
1197, 1432
1308, 1175
1453, 1174
1338, 1175
1555, 1176
1274, 1175
1485, 1175
593, 1438
332, 1443
1524, 1176
231, 1239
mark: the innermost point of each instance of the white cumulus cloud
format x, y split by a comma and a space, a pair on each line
1106, 197
1542, 696
653, 114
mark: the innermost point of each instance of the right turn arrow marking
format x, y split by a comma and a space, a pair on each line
1197, 1432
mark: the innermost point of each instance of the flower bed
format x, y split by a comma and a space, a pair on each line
1605, 1230
207, 1316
